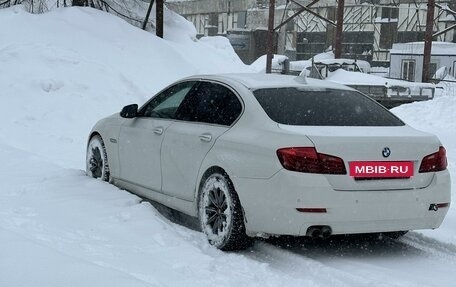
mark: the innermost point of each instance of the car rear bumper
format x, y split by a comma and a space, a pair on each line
270, 205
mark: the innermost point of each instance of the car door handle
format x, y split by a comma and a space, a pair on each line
205, 137
158, 131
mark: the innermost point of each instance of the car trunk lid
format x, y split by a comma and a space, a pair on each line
366, 144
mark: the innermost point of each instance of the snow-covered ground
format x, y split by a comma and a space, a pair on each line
62, 71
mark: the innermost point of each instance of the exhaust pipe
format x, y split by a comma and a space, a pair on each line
326, 232
314, 232
319, 231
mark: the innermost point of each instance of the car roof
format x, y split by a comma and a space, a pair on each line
255, 81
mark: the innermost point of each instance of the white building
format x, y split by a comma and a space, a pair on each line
407, 60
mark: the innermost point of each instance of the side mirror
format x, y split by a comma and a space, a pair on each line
129, 111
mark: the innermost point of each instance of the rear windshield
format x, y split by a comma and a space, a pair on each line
323, 107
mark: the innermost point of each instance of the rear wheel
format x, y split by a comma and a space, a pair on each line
221, 215
97, 159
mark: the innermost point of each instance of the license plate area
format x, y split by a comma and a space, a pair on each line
381, 169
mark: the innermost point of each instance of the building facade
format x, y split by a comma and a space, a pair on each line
370, 26
407, 60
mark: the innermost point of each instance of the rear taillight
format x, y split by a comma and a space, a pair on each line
307, 159
434, 162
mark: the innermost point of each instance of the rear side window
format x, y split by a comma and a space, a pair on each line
323, 107
210, 103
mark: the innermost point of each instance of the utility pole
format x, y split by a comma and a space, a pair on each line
428, 41
270, 37
159, 18
339, 29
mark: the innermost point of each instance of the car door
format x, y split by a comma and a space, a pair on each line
140, 138
206, 113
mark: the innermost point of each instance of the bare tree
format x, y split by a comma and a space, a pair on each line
149, 9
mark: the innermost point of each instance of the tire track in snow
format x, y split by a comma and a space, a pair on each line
366, 261
431, 247
295, 265
60, 252
295, 261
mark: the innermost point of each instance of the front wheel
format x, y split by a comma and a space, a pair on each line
221, 215
97, 159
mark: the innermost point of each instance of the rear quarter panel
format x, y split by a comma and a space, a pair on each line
248, 148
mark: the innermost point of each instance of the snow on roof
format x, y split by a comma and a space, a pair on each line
356, 78
417, 48
260, 64
341, 61
323, 56
337, 61
302, 64
256, 81
327, 58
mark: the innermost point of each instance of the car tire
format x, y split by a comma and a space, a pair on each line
220, 213
97, 159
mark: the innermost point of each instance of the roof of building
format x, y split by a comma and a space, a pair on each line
417, 48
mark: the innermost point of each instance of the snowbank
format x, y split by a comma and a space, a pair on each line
62, 71
437, 117
447, 87
260, 64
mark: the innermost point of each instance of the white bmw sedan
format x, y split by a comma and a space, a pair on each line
259, 155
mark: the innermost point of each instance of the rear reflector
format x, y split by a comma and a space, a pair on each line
307, 159
312, 210
434, 162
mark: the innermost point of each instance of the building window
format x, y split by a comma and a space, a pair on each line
211, 25
408, 70
240, 19
262, 3
222, 23
432, 70
390, 12
388, 35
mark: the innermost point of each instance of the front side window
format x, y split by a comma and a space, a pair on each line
165, 104
210, 103
323, 107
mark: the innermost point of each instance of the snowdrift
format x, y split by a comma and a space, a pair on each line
62, 71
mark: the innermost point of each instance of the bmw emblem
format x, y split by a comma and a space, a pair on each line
386, 152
